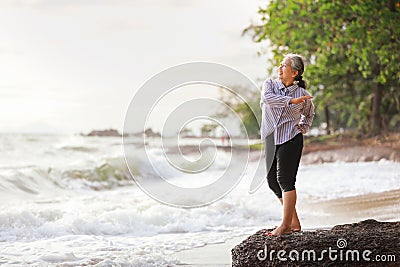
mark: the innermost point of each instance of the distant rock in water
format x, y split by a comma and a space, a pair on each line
149, 133
367, 243
107, 132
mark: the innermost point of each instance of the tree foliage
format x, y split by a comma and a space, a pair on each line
208, 129
352, 52
249, 112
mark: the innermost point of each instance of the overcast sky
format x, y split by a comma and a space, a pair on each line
74, 65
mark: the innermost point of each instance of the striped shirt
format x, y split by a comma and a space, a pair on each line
279, 116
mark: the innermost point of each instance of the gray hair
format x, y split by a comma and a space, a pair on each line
297, 63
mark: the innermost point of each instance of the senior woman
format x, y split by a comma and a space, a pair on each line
288, 113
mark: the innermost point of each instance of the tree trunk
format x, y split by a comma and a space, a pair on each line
376, 115
328, 121
392, 5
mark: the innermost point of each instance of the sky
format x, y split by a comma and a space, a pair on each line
74, 65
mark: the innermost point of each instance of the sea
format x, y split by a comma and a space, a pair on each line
70, 200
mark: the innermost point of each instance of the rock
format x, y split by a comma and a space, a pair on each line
368, 241
149, 133
107, 132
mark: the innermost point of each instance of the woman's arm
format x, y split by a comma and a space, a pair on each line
307, 116
269, 97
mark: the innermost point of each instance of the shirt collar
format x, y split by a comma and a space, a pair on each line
289, 89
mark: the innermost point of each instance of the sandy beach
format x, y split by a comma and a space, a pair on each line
379, 206
209, 255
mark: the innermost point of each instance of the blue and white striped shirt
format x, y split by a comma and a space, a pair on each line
280, 116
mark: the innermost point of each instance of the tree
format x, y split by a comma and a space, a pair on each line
186, 132
351, 47
249, 112
208, 129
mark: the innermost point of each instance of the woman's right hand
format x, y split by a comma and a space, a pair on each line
300, 99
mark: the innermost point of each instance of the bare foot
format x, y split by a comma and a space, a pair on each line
281, 230
295, 227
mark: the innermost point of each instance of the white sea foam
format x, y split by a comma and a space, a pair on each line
335, 180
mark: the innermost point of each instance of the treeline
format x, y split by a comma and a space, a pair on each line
352, 49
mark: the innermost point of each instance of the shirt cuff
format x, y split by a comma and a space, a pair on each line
304, 127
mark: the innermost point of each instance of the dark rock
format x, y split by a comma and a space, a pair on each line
107, 132
365, 240
149, 133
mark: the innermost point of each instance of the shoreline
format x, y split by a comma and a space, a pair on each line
311, 156
323, 149
350, 154
383, 207
213, 255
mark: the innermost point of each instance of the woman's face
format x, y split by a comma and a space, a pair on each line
286, 74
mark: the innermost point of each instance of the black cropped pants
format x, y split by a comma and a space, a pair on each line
282, 174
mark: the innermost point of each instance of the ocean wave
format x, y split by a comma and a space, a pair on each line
80, 148
107, 174
123, 211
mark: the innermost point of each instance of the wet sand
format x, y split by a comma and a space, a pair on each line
383, 206
209, 255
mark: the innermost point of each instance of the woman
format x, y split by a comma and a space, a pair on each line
288, 113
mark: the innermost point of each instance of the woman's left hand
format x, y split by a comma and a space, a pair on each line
300, 129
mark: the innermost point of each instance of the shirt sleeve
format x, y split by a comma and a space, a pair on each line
269, 97
307, 115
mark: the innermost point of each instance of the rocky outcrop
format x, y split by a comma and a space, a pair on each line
367, 243
107, 132
149, 133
